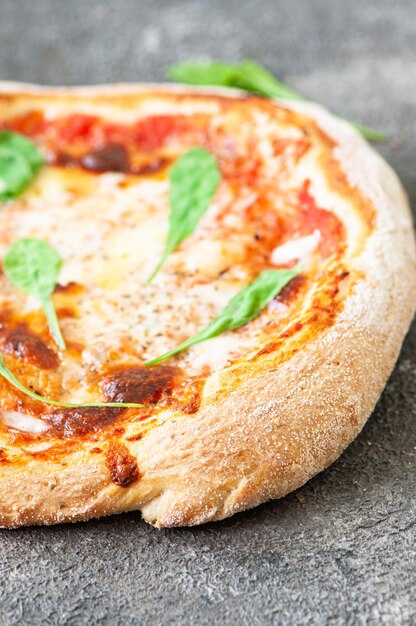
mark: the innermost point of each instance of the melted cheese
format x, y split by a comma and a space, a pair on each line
296, 249
214, 353
24, 422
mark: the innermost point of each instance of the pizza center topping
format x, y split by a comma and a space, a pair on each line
244, 307
223, 216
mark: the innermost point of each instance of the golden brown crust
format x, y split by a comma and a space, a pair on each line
265, 427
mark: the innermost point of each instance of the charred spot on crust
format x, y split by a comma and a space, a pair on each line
83, 420
122, 465
139, 384
291, 289
109, 158
24, 344
187, 398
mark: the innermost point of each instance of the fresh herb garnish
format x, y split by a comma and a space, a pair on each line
241, 309
11, 378
33, 266
250, 76
193, 181
20, 161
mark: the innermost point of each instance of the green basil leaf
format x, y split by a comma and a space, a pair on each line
33, 266
20, 161
241, 309
25, 146
247, 75
193, 181
11, 378
214, 73
372, 134
250, 76
15, 173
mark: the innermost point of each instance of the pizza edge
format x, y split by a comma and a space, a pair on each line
275, 430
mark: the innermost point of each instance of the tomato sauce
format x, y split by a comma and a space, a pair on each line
93, 132
99, 145
310, 217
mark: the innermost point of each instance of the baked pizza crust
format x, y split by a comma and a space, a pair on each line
277, 424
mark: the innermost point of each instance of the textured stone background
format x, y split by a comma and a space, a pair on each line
341, 549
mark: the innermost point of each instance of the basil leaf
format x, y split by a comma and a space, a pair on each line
193, 181
372, 134
213, 73
247, 75
11, 378
250, 76
33, 266
20, 161
241, 309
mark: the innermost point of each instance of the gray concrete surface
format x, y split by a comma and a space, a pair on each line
340, 550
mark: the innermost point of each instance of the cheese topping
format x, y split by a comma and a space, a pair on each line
24, 422
296, 249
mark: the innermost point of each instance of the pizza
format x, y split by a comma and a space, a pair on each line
258, 404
